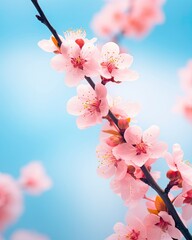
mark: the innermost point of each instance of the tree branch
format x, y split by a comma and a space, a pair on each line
149, 179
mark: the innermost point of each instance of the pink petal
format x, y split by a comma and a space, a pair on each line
101, 90
133, 135
174, 232
58, 62
110, 50
75, 106
47, 45
158, 149
187, 212
124, 60
122, 75
151, 134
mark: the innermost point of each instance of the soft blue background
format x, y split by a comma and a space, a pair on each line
34, 124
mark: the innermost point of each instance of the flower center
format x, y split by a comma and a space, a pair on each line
92, 106
163, 225
109, 65
140, 148
133, 235
78, 62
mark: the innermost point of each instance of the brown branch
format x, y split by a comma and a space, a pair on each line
149, 179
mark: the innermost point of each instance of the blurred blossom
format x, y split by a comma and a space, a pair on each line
11, 203
133, 18
184, 103
28, 235
34, 179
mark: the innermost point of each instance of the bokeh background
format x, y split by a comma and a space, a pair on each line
34, 124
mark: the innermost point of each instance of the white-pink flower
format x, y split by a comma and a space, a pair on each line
77, 59
115, 65
161, 226
176, 163
28, 235
109, 165
133, 230
11, 203
89, 105
140, 147
34, 179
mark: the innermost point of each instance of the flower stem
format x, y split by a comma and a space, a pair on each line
178, 222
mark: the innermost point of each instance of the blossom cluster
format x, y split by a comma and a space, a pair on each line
184, 103
124, 147
131, 18
32, 180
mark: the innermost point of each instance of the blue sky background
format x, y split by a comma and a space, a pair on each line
34, 124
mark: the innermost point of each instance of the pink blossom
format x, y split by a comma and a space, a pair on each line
161, 226
184, 106
28, 235
186, 77
111, 19
11, 203
130, 189
140, 147
142, 16
109, 165
77, 59
115, 66
184, 200
176, 164
34, 179
133, 230
89, 105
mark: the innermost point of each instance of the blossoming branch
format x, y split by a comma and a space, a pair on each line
126, 152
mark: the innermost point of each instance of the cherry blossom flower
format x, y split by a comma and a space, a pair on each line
142, 17
78, 59
184, 200
133, 230
140, 147
89, 105
111, 19
161, 226
11, 203
34, 179
28, 235
109, 165
130, 189
176, 164
115, 66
